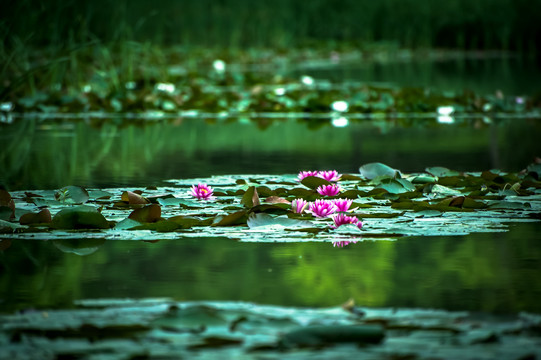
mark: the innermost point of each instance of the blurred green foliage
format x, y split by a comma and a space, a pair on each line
463, 24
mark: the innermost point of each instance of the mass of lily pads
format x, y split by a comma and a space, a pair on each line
378, 202
163, 328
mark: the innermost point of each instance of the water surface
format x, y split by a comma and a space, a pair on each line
496, 272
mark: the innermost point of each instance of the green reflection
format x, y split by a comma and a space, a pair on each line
482, 272
44, 155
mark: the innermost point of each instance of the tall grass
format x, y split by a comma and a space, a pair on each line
462, 24
64, 43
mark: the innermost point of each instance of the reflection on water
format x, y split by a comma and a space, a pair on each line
511, 75
481, 272
114, 153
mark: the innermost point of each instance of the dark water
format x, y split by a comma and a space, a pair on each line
484, 75
498, 273
110, 153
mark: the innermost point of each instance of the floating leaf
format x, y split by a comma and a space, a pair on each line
99, 194
44, 216
316, 336
79, 217
277, 200
423, 179
162, 225
235, 218
440, 190
373, 170
7, 205
396, 186
313, 182
133, 198
262, 219
440, 171
147, 214
186, 222
127, 224
348, 229
6, 225
72, 195
250, 198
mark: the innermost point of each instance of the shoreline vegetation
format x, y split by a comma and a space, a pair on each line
148, 80
230, 55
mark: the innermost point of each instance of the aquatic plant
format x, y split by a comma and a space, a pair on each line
342, 219
201, 191
299, 205
329, 175
322, 208
305, 174
329, 190
342, 205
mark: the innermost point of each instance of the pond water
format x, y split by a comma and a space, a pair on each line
115, 152
489, 272
497, 273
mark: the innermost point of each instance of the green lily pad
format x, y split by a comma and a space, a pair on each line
262, 219
72, 195
79, 217
236, 218
440, 171
373, 170
317, 336
313, 182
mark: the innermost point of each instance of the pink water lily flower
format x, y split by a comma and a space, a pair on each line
299, 205
342, 243
304, 174
330, 175
342, 205
342, 219
322, 208
201, 191
329, 190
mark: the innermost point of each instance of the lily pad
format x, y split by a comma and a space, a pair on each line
313, 182
262, 219
147, 214
72, 195
373, 170
79, 217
